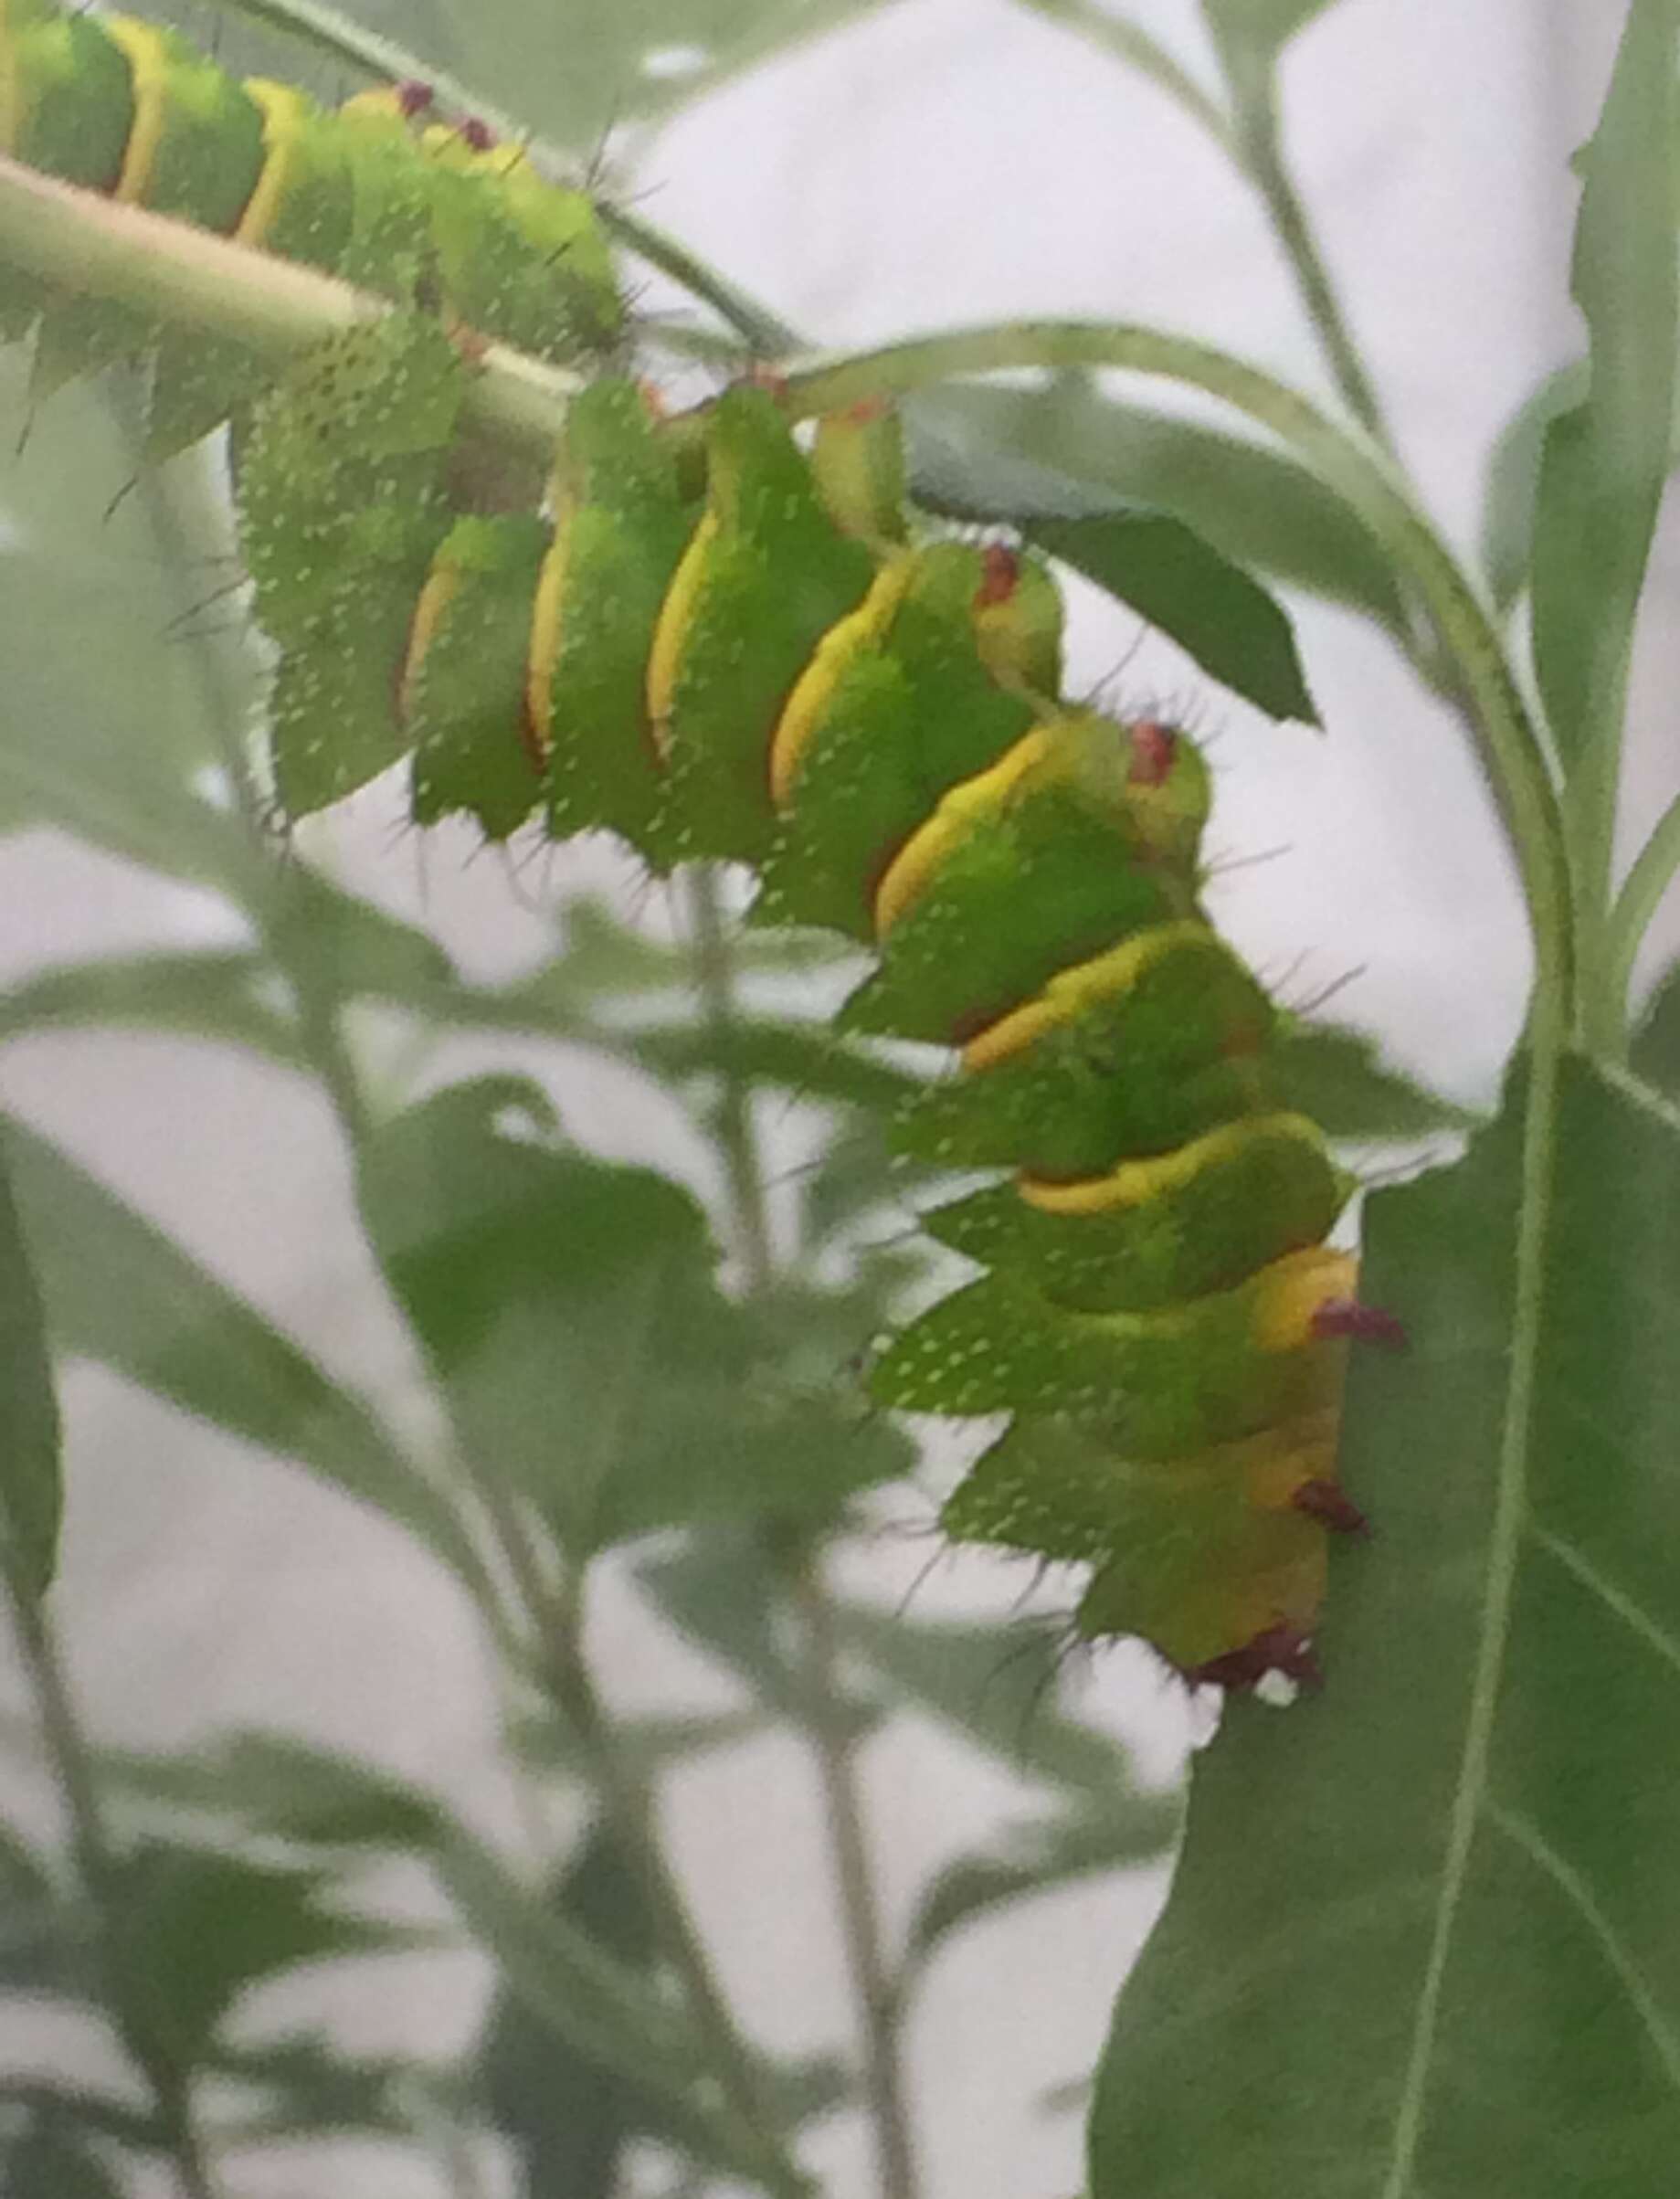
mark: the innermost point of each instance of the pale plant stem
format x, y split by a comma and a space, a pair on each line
67, 1752
878, 2002
799, 1562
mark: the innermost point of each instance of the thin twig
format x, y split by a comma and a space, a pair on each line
872, 1978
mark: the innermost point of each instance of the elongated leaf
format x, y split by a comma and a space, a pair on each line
52, 2160
567, 2122
1039, 1859
1602, 470
1164, 571
1068, 451
1261, 25
213, 996
288, 1789
190, 1930
1656, 1053
1425, 1939
1513, 481
119, 1291
994, 1686
1336, 1076
31, 1486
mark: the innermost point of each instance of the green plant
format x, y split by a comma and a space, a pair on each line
1411, 1883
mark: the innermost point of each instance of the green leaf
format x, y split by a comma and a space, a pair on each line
1259, 26
53, 2161
1067, 451
1037, 1859
1604, 462
1336, 1076
1655, 1051
995, 1684
725, 1592
572, 1311
1240, 634
214, 995
31, 1485
118, 1290
190, 1930
566, 2120
287, 1790
310, 2085
1426, 1932
1512, 487
44, 1937
806, 1061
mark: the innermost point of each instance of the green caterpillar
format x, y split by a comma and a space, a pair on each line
371, 192
724, 646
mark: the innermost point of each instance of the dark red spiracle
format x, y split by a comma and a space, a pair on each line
1154, 747
414, 98
1000, 575
477, 135
1280, 1649
1329, 1501
1360, 1324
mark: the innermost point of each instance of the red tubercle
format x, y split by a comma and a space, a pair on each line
413, 98
1328, 1501
1000, 575
1360, 1324
760, 374
477, 135
1155, 748
1280, 1648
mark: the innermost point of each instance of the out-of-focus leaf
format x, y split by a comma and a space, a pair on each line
1425, 1934
1066, 452
101, 730
572, 1311
589, 66
31, 1487
1336, 1076
645, 1746
565, 2119
1604, 462
1259, 26
1038, 1859
118, 1290
309, 2083
287, 1788
726, 1593
1655, 1051
43, 1936
52, 2160
214, 995
77, 2107
1512, 482
190, 1928
806, 1061
995, 1684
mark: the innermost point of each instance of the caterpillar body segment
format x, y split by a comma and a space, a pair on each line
412, 211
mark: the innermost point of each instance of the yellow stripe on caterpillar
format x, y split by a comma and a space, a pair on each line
282, 107
1136, 1182
665, 654
148, 57
857, 632
430, 608
912, 869
1072, 991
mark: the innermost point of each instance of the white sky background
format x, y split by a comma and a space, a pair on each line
954, 160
